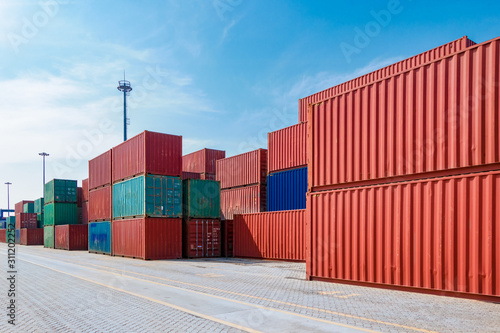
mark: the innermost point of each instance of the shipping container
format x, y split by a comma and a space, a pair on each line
271, 235
100, 204
384, 73
11, 221
17, 234
85, 212
201, 198
3, 235
10, 235
100, 171
39, 206
202, 161
227, 238
286, 148
3, 224
60, 190
242, 200
79, 197
85, 190
244, 169
150, 195
439, 116
19, 207
40, 222
438, 234
201, 238
59, 213
29, 207
148, 153
208, 176
72, 237
190, 175
286, 190
26, 220
31, 236
48, 237
148, 238
100, 237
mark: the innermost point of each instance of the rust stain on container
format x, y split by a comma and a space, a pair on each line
100, 204
287, 148
244, 169
202, 161
383, 73
148, 153
438, 234
148, 238
271, 235
439, 116
100, 171
71, 237
242, 200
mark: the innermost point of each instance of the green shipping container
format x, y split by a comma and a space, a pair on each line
39, 205
201, 198
60, 190
29, 207
11, 221
39, 220
48, 237
150, 195
59, 213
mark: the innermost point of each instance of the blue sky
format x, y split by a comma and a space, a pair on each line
221, 73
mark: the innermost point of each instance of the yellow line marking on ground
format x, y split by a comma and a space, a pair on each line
194, 313
333, 294
212, 275
265, 299
205, 294
329, 292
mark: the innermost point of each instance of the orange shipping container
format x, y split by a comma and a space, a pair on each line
438, 116
242, 200
202, 161
85, 212
272, 235
85, 190
100, 204
244, 169
440, 235
287, 148
383, 73
100, 171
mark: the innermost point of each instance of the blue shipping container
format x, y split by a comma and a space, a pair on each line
18, 236
286, 190
3, 224
100, 237
150, 195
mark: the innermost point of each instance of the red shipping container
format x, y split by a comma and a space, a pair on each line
31, 236
79, 196
100, 204
148, 153
287, 148
272, 235
3, 236
100, 170
208, 176
440, 116
85, 190
227, 238
244, 169
438, 235
384, 73
73, 237
242, 200
85, 212
26, 220
201, 238
19, 207
190, 175
147, 238
202, 161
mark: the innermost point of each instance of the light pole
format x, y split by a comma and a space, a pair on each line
8, 197
44, 154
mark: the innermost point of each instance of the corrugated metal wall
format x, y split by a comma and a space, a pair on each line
441, 234
99, 171
242, 200
383, 73
286, 190
439, 116
244, 169
271, 235
287, 148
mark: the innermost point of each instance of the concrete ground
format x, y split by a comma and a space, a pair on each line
60, 291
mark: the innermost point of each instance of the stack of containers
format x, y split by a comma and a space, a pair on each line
60, 207
201, 164
85, 201
39, 203
26, 223
201, 218
100, 203
79, 204
287, 168
403, 176
147, 197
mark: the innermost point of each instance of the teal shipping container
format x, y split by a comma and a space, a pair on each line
100, 237
60, 190
29, 207
59, 213
11, 222
148, 196
48, 237
201, 198
40, 223
39, 206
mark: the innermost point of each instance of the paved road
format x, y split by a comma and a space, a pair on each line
60, 291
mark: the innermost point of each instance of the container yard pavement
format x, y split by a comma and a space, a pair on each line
81, 292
